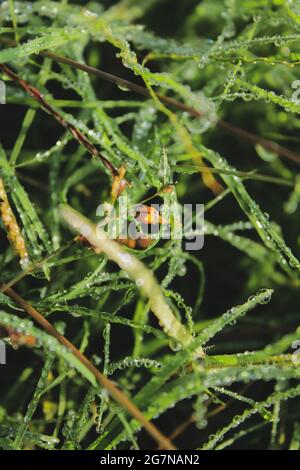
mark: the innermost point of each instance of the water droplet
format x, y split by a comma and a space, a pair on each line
175, 345
123, 88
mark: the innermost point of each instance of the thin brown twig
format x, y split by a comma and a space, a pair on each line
121, 82
78, 135
173, 103
182, 427
117, 394
192, 419
267, 144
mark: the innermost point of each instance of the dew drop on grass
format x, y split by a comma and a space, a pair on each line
25, 262
264, 296
175, 345
123, 88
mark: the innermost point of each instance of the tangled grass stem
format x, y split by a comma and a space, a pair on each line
143, 277
14, 234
